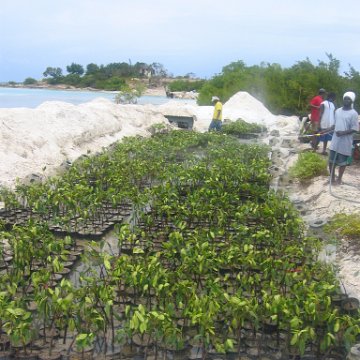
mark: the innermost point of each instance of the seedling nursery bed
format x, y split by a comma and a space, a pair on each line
205, 260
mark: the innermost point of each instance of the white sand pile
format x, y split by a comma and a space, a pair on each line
243, 105
31, 139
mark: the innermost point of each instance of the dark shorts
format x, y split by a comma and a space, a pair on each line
325, 137
339, 159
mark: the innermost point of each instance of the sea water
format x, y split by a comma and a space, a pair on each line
31, 98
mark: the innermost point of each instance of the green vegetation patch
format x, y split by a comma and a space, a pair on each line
241, 127
284, 91
186, 85
345, 225
308, 166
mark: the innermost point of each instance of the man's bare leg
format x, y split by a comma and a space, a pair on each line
341, 173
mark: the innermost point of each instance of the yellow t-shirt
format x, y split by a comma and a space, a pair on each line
217, 108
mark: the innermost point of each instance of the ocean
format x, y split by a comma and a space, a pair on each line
31, 98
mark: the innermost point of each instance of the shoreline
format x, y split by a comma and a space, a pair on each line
156, 91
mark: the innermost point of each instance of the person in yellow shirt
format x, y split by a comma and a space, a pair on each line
216, 121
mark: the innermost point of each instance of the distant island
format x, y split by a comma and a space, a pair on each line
139, 79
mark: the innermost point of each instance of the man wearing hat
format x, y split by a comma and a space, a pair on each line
315, 103
346, 124
217, 115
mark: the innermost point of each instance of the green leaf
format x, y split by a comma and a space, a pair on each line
295, 322
107, 264
81, 337
294, 339
139, 316
229, 344
137, 250
143, 327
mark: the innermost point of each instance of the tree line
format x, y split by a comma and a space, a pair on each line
113, 76
282, 90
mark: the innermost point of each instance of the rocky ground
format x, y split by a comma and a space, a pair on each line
318, 201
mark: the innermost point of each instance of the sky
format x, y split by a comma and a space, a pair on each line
188, 36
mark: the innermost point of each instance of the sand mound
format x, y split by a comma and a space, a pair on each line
31, 139
243, 105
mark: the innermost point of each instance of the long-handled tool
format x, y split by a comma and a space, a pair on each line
318, 134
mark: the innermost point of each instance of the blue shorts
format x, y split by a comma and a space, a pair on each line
325, 137
339, 159
215, 125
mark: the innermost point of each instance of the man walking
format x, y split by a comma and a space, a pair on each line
217, 115
346, 124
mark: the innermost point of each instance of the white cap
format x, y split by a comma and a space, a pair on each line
214, 98
350, 95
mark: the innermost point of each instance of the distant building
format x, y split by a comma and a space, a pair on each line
146, 70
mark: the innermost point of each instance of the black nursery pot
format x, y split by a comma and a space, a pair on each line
337, 299
350, 305
269, 326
